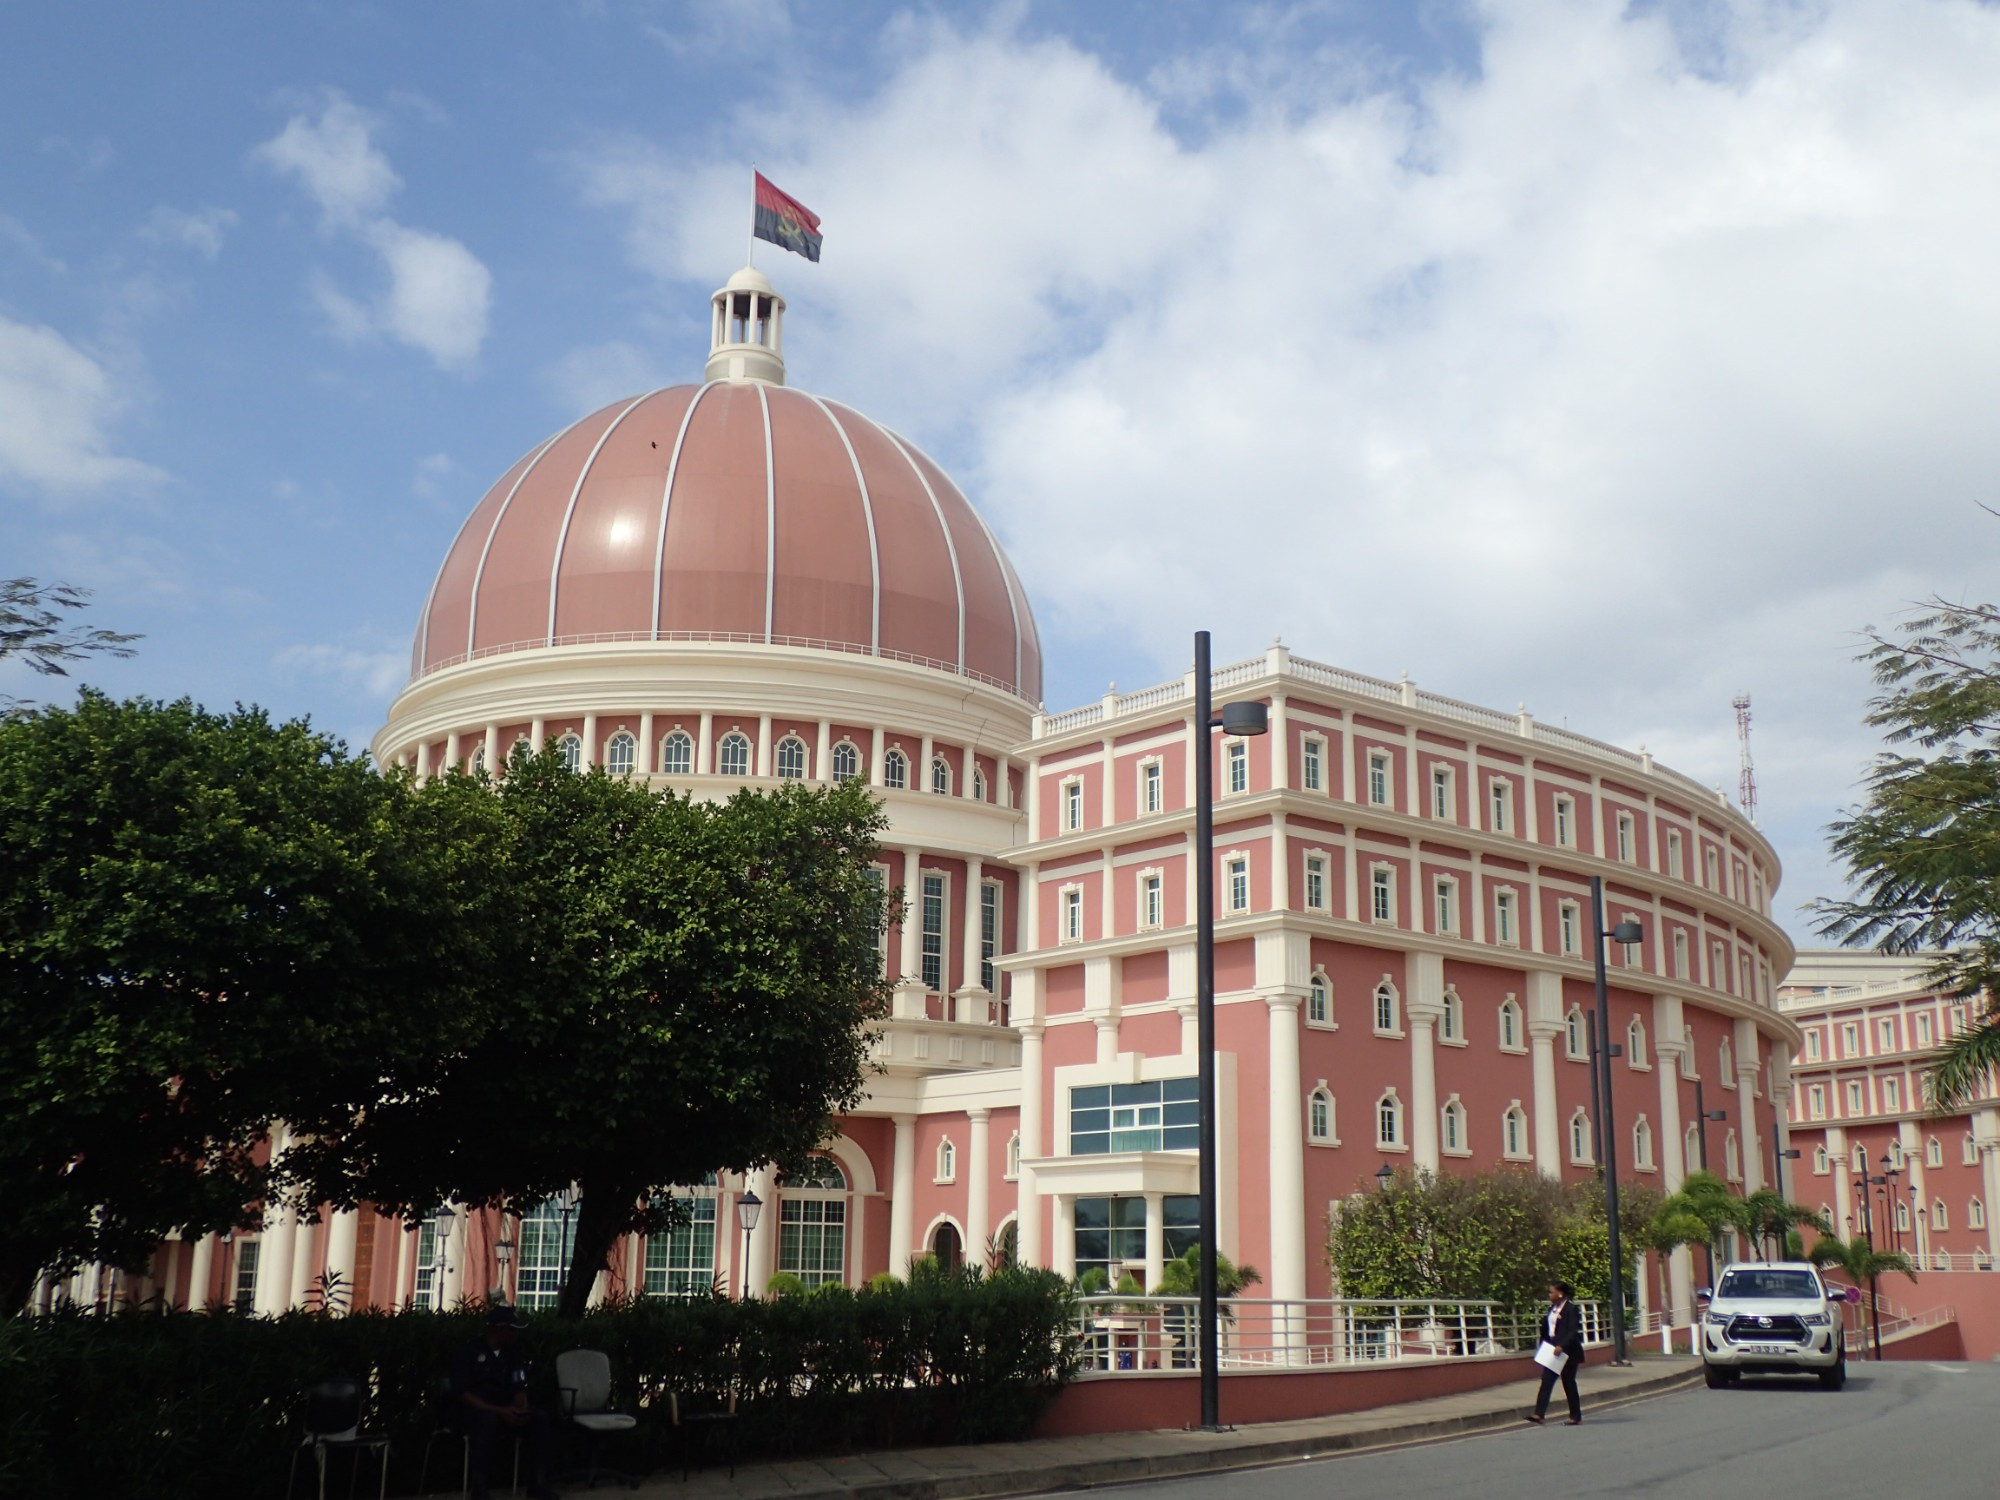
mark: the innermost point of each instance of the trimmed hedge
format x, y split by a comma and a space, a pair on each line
183, 1404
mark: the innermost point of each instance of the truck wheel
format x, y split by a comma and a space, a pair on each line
1716, 1378
1834, 1379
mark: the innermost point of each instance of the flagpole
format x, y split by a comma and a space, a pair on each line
752, 260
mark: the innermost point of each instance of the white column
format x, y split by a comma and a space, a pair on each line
492, 749
1986, 1139
451, 1249
1003, 781
903, 1196
273, 1291
589, 741
423, 760
1668, 1046
763, 761
1190, 1014
1843, 1169
920, 773
1288, 1163
704, 748
1544, 1025
1281, 744
1913, 1164
1281, 865
1064, 1259
1028, 1202
342, 1238
911, 958
537, 734
823, 752
978, 1206
1156, 1239
877, 748
1747, 1069
201, 1270
305, 1255
648, 760
764, 1238
975, 872
451, 756
1423, 1006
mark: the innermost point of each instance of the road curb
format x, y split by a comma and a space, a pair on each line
1132, 1468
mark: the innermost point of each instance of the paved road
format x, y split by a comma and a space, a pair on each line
1928, 1430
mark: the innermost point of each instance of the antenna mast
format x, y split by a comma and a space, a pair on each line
1746, 787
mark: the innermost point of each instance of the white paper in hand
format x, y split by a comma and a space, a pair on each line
1549, 1357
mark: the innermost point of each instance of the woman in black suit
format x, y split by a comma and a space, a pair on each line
1562, 1329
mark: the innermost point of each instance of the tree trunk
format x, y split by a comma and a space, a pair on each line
598, 1216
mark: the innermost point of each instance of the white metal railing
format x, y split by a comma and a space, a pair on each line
1159, 1335
1940, 1260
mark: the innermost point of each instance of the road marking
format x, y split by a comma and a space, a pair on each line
1952, 1369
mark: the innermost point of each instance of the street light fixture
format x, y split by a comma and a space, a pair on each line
1627, 932
1384, 1175
1240, 719
1866, 1184
566, 1204
1780, 1158
446, 1218
503, 1258
1890, 1197
748, 1207
1703, 1114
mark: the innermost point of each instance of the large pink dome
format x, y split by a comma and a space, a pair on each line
733, 511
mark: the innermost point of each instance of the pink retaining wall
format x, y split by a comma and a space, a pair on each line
1143, 1403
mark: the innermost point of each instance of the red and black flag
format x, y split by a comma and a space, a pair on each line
785, 221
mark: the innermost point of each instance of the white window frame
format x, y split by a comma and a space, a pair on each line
1885, 1034
1444, 905
1236, 892
1969, 1151
1452, 1121
1069, 913
1579, 1138
1892, 1095
992, 917
1565, 819
1318, 870
622, 746
1923, 1028
1673, 853
1236, 767
1975, 1214
1637, 1059
1070, 799
1389, 1110
1576, 1039
1012, 1167
1681, 953
1850, 1039
1444, 792
1152, 898
1382, 894
847, 761
1451, 1025
1627, 834
1507, 917
683, 742
896, 769
943, 933
1689, 1063
1857, 1097
978, 782
1732, 1156
941, 778
1152, 786
1812, 1044
793, 749
1816, 1102
1933, 1152
1511, 1019
1726, 1057
1569, 927
1500, 805
1642, 1146
1312, 763
1381, 786
947, 1161
1322, 1125
570, 748
1822, 1161
1514, 1133
734, 740
1385, 990
1319, 985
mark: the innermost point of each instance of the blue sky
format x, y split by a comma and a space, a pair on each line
1608, 359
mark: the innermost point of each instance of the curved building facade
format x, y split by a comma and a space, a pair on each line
738, 583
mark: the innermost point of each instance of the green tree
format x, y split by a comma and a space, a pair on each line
35, 626
688, 987
1923, 850
1708, 1200
1862, 1263
207, 922
1773, 1221
1181, 1277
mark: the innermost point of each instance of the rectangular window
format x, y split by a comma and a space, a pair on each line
1626, 836
1812, 1046
1850, 1040
1072, 906
1503, 918
1710, 875
989, 935
1444, 901
1312, 764
1149, 787
542, 1260
1316, 882
1816, 1101
682, 1264
1501, 798
1236, 876
812, 1239
1855, 1100
1239, 766
1565, 821
1442, 801
1680, 955
1378, 778
1892, 1093
933, 932
1923, 1028
1111, 1233
1383, 886
1151, 904
1674, 853
243, 1290
1885, 1035
1566, 925
1072, 793
1164, 1115
1718, 967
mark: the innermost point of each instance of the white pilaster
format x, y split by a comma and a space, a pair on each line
822, 767
1028, 1202
1747, 1069
1668, 1046
537, 734
878, 746
1288, 1164
1422, 1007
913, 915
903, 1196
1281, 865
704, 748
978, 1207
763, 761
1544, 1024
1156, 1239
764, 1238
975, 874
201, 1271
342, 1237
492, 749
305, 1255
648, 759
1064, 1259
590, 756
1986, 1140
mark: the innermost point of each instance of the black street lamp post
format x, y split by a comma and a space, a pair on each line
1779, 1158
1703, 1114
1866, 1184
748, 1207
1624, 932
566, 1202
1236, 719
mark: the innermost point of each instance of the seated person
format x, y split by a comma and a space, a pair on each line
489, 1388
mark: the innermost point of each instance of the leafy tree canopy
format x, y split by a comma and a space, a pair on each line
684, 987
36, 626
1923, 850
207, 922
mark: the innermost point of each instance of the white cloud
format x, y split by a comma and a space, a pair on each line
57, 404
201, 231
377, 671
432, 470
586, 379
438, 296
1628, 371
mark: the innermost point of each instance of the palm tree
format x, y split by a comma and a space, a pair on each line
1667, 1231
1705, 1197
1861, 1263
1772, 1219
1181, 1277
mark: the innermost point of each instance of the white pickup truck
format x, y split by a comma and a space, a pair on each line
1773, 1318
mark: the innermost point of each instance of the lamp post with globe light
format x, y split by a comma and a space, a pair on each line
1625, 932
748, 1207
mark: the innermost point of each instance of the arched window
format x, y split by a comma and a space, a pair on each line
812, 1223
570, 747
1510, 1024
1821, 1163
1940, 1221
1860, 1157
792, 758
896, 770
1635, 1044
1319, 1001
681, 1262
1013, 1156
1389, 1120
1903, 1217
1386, 1014
1642, 1143
1975, 1215
735, 757
947, 1161
978, 784
1579, 1138
1452, 1125
1725, 1055
677, 754
940, 776
1687, 1053
1969, 1150
621, 754
846, 762
1514, 1131
1573, 1042
479, 758
1452, 1029
1732, 1159
1933, 1152
1691, 1148
1319, 1116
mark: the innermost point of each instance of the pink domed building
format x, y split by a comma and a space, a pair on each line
738, 583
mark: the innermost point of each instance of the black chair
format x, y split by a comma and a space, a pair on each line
583, 1376
694, 1428
447, 1430
333, 1425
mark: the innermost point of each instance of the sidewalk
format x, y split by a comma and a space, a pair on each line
1044, 1464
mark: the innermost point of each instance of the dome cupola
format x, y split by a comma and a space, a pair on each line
746, 333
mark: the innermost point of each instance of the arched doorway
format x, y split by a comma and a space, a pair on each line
947, 1249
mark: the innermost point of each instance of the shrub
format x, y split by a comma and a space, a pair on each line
168, 1405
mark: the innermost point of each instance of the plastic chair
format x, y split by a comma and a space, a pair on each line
584, 1378
333, 1424
447, 1430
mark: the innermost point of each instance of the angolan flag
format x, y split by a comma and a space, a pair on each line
783, 220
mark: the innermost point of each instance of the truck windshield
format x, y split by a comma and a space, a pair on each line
1795, 1285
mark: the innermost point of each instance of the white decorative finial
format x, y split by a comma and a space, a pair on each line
746, 330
